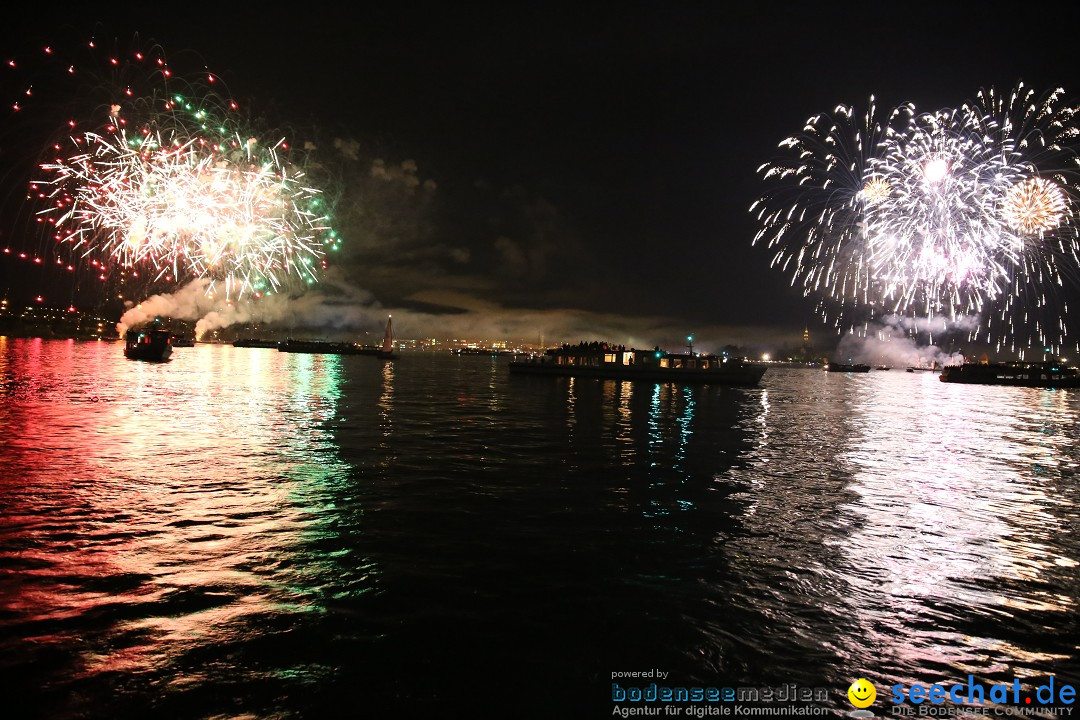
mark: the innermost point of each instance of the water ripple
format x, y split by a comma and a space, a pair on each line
246, 532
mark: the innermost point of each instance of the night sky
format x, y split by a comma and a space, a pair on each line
597, 162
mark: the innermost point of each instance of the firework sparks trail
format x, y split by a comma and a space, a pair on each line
961, 212
187, 210
157, 179
937, 237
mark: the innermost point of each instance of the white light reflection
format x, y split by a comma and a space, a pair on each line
958, 511
386, 414
919, 526
624, 433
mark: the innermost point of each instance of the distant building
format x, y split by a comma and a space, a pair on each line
805, 353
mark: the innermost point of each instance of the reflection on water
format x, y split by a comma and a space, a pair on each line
913, 531
155, 510
241, 531
386, 415
956, 524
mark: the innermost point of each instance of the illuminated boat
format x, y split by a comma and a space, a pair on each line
152, 345
1016, 374
845, 367
599, 360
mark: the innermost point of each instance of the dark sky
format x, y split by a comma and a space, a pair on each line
596, 157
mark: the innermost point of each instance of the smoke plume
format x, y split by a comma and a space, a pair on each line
335, 306
905, 342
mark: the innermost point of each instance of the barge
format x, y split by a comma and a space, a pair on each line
599, 360
1016, 374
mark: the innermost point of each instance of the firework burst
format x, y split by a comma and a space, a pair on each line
186, 208
814, 220
156, 178
1034, 206
937, 245
952, 214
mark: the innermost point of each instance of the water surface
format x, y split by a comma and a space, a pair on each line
246, 533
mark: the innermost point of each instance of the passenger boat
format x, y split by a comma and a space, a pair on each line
845, 367
152, 345
1016, 374
599, 360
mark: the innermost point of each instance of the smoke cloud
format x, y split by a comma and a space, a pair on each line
905, 342
336, 306
336, 310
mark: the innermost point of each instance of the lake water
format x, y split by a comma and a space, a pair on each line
247, 533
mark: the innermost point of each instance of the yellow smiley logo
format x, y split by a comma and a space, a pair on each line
861, 693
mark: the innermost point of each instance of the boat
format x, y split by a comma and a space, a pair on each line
833, 366
255, 343
600, 360
183, 341
487, 352
923, 368
152, 345
883, 367
386, 352
1016, 374
324, 347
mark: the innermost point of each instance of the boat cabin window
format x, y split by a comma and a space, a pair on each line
609, 357
663, 362
627, 358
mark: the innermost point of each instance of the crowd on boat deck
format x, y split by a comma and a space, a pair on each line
596, 346
593, 346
